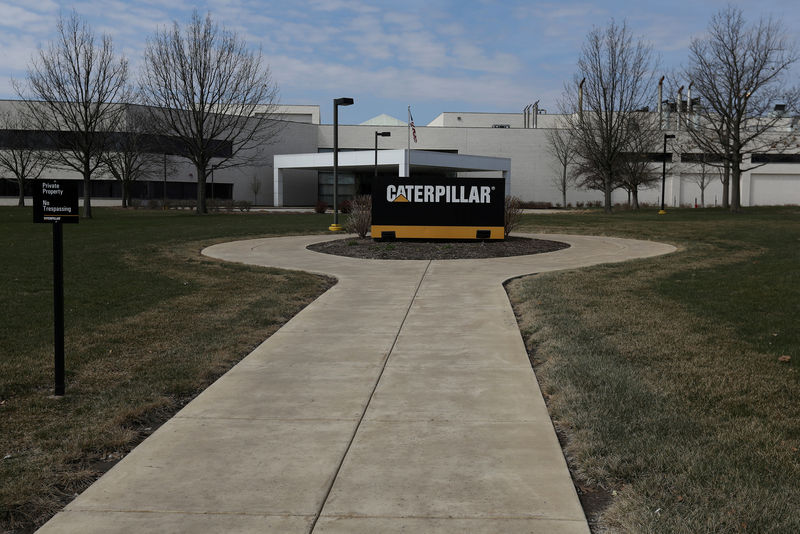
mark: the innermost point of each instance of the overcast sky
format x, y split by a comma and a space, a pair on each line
449, 55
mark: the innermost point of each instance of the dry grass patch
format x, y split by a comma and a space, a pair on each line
150, 324
667, 398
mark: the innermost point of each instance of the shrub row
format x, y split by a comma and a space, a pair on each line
345, 206
213, 205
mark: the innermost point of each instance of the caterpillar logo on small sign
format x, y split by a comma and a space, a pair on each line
457, 194
437, 207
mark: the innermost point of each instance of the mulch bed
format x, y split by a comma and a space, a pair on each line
419, 249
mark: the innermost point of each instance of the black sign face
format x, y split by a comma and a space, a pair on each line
438, 201
55, 201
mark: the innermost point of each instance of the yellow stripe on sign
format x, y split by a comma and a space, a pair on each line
436, 232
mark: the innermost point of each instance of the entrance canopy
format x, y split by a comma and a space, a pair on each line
407, 162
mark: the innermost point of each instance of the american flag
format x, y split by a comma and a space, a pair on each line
411, 123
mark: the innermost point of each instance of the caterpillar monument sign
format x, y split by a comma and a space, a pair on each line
436, 207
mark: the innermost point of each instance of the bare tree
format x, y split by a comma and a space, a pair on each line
725, 179
132, 154
207, 89
561, 145
19, 154
704, 169
740, 73
72, 91
703, 178
618, 74
638, 168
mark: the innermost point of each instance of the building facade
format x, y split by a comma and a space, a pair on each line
519, 137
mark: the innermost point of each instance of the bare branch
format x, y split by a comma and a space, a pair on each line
561, 144
207, 89
17, 153
638, 167
618, 73
740, 73
72, 91
132, 154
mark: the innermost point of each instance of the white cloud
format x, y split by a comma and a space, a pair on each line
17, 53
477, 52
396, 83
343, 5
474, 58
409, 21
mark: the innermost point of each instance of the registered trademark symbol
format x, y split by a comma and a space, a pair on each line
492, 188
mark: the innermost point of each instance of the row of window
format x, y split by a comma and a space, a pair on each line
694, 157
152, 143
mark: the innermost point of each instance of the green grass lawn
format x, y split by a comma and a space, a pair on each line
663, 375
149, 324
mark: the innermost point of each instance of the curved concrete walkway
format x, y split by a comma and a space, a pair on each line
401, 400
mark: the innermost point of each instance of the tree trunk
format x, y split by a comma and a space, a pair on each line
607, 197
564, 187
635, 195
726, 180
87, 191
736, 177
126, 193
702, 197
201, 191
21, 202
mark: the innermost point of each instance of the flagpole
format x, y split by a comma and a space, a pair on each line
409, 128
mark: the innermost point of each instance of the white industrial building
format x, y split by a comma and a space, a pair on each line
295, 169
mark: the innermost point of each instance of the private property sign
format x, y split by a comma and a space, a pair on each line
55, 201
438, 208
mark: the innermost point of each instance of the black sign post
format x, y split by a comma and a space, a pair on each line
56, 202
58, 307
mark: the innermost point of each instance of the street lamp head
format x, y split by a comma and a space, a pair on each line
669, 136
383, 134
344, 101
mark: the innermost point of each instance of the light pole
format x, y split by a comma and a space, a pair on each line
378, 134
662, 211
344, 101
164, 202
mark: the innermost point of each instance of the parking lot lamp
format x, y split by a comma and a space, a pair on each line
379, 134
662, 211
344, 101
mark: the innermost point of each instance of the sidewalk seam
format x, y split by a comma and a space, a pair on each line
369, 401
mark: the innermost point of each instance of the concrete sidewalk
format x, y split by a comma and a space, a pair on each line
401, 400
